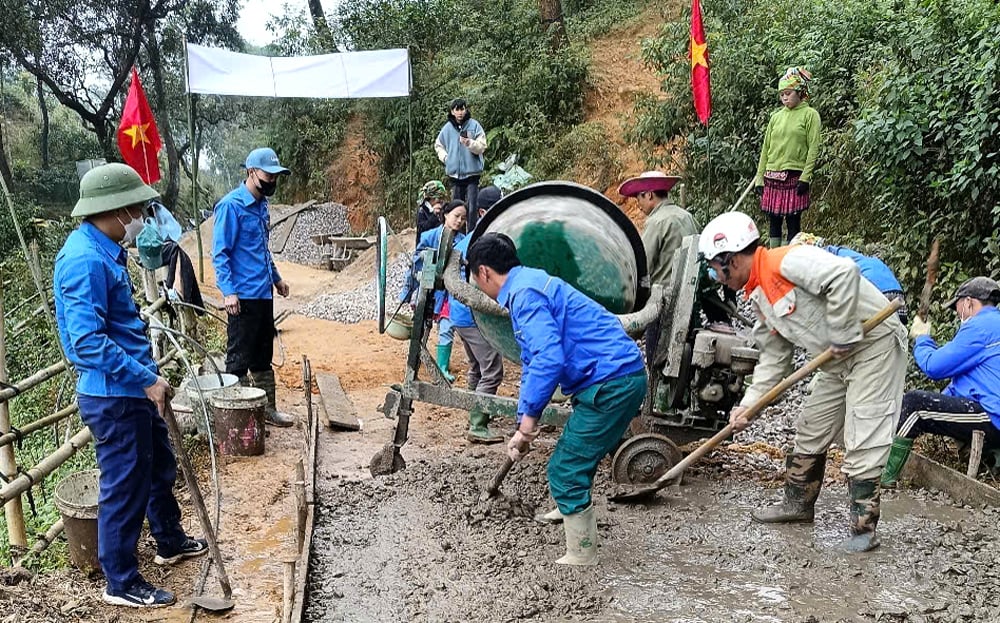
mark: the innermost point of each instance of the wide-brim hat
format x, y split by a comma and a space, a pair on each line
649, 181
980, 288
266, 160
109, 187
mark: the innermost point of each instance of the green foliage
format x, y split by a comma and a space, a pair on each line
909, 93
586, 147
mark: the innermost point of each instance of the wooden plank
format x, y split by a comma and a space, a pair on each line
976, 455
339, 410
923, 472
281, 236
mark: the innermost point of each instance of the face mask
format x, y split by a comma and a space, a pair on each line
267, 188
132, 229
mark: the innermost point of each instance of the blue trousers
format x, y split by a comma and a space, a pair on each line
446, 332
138, 470
601, 413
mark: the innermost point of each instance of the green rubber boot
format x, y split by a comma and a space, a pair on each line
866, 499
444, 358
803, 479
901, 447
479, 428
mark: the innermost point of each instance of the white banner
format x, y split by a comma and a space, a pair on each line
376, 73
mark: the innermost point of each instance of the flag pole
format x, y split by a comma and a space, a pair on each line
409, 123
192, 144
708, 155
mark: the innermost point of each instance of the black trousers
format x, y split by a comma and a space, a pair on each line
250, 337
467, 190
938, 414
794, 222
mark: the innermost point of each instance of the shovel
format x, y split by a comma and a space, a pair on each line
498, 479
213, 604
640, 494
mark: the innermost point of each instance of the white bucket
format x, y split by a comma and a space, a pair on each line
201, 388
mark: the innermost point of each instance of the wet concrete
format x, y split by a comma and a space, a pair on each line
418, 546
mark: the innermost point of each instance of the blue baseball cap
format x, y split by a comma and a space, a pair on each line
266, 160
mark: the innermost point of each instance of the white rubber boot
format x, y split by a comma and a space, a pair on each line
552, 517
581, 538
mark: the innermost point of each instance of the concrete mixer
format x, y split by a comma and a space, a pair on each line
579, 235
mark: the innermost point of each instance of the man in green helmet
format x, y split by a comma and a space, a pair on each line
120, 391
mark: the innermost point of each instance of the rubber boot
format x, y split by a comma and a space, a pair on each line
866, 499
900, 451
479, 428
581, 538
774, 243
265, 381
444, 358
552, 517
803, 479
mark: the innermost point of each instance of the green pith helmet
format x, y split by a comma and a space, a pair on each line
433, 189
109, 187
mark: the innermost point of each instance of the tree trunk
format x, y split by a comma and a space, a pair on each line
43, 137
552, 21
8, 178
160, 110
323, 30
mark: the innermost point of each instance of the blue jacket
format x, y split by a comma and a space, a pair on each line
461, 162
431, 239
243, 263
971, 360
99, 323
461, 315
566, 338
872, 269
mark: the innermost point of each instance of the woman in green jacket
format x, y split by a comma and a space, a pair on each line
791, 143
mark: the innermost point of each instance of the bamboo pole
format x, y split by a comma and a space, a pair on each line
43, 542
40, 423
193, 146
32, 381
17, 536
46, 466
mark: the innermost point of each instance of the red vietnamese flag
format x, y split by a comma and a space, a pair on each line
700, 87
138, 139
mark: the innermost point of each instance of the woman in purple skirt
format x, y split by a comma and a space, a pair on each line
788, 156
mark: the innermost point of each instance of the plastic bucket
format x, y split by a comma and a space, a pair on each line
205, 386
400, 327
76, 498
238, 414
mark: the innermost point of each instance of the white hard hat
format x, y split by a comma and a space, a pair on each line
730, 232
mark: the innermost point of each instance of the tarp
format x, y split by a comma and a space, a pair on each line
376, 73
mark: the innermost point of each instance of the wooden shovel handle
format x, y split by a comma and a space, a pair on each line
776, 391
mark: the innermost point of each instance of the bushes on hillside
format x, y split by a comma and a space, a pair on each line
909, 92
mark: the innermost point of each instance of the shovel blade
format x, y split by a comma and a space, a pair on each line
213, 604
644, 494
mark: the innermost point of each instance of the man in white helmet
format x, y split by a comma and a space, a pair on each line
806, 297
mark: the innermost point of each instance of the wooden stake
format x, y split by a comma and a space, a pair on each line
976, 455
13, 511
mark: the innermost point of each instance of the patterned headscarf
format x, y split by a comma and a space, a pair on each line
795, 78
433, 189
807, 238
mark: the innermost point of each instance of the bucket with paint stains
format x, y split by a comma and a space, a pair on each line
76, 498
199, 391
239, 420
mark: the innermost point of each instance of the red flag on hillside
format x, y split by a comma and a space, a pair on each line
138, 139
700, 87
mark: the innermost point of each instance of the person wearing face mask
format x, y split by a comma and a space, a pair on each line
246, 275
806, 297
971, 360
120, 391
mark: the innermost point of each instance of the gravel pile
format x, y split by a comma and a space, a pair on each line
322, 218
359, 304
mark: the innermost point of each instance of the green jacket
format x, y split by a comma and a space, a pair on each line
666, 227
790, 142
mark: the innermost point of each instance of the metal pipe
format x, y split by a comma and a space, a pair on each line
465, 292
635, 322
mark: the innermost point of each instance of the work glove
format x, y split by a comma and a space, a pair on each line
520, 445
802, 188
759, 191
919, 327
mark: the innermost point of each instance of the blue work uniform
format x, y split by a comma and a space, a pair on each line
105, 339
569, 340
461, 315
244, 267
872, 269
971, 360
431, 239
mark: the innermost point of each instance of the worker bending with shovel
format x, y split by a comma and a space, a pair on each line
568, 340
806, 297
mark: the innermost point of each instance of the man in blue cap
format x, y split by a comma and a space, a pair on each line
246, 275
119, 388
